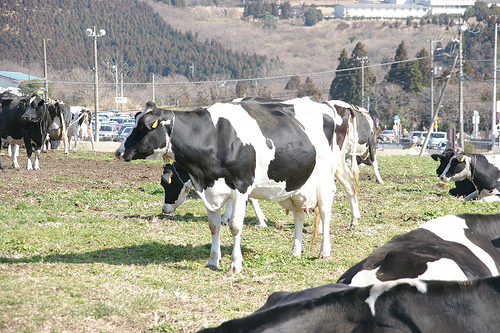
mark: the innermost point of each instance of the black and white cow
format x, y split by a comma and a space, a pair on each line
463, 188
475, 167
366, 136
27, 119
177, 184
261, 148
61, 119
453, 247
176, 193
394, 306
81, 125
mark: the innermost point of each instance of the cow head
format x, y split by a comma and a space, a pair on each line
36, 110
176, 184
443, 159
148, 139
458, 168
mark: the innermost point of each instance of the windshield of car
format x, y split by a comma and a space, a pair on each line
107, 128
438, 135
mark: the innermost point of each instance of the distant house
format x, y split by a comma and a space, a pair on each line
403, 8
9, 81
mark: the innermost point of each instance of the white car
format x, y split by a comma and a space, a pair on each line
389, 135
438, 139
108, 133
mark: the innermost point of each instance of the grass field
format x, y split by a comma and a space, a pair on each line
89, 252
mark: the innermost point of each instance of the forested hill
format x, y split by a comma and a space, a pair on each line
133, 32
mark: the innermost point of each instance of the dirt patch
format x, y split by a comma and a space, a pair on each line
58, 170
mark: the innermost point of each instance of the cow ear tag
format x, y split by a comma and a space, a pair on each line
439, 159
462, 159
186, 190
166, 159
155, 124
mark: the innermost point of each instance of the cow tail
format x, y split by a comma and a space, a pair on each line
354, 160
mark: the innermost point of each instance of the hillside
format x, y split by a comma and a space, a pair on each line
135, 35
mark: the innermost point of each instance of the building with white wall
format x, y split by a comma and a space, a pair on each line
401, 8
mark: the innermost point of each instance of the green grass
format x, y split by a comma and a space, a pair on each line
107, 260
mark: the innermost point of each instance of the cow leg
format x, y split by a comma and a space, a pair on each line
261, 218
65, 134
29, 152
214, 225
298, 218
37, 159
9, 150
375, 170
236, 226
346, 180
228, 212
15, 155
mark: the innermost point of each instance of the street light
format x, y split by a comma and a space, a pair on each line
93, 34
116, 86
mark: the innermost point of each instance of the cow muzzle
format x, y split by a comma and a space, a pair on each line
168, 208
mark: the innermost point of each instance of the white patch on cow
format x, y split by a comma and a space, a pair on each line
465, 173
489, 195
365, 278
452, 228
379, 289
443, 269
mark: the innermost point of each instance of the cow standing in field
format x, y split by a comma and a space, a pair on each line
177, 184
453, 247
81, 125
233, 150
61, 119
475, 167
27, 119
394, 306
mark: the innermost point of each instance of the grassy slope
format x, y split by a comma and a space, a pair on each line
106, 259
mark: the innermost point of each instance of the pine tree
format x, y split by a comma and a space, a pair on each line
406, 73
424, 65
396, 73
339, 87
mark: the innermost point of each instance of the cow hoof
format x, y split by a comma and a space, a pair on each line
212, 267
324, 256
234, 270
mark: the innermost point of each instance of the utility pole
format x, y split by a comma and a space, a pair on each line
94, 35
462, 26
153, 87
46, 84
494, 106
433, 72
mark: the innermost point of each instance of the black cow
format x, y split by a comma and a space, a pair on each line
24, 118
267, 149
453, 247
475, 167
395, 306
61, 120
463, 188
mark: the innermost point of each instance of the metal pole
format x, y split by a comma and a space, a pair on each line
363, 59
153, 87
116, 87
494, 106
461, 86
46, 84
96, 91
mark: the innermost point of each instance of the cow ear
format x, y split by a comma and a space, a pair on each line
167, 176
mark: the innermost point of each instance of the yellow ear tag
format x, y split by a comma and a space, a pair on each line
439, 159
166, 159
186, 190
155, 124
462, 159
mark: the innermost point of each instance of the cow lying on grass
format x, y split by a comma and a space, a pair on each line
394, 306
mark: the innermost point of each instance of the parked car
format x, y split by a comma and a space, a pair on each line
389, 135
108, 133
417, 137
125, 132
438, 139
